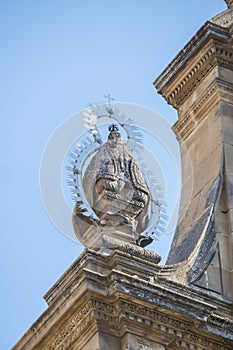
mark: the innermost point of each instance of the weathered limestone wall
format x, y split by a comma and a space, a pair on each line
198, 83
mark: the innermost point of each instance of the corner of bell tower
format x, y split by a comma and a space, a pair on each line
198, 83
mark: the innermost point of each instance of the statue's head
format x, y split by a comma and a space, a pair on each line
114, 137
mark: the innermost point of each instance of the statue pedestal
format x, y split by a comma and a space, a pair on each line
96, 239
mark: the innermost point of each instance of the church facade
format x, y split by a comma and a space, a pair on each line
122, 299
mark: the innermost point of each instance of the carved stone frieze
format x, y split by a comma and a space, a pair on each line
198, 343
203, 342
196, 74
116, 299
72, 324
93, 309
164, 322
178, 330
224, 19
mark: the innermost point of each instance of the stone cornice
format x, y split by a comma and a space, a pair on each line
217, 91
206, 32
92, 295
224, 19
123, 253
177, 330
194, 62
93, 309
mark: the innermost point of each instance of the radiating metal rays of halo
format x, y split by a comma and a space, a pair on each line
158, 206
82, 149
97, 111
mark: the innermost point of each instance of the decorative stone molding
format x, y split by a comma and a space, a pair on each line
112, 312
54, 291
199, 343
225, 19
198, 72
204, 98
198, 110
207, 32
70, 330
164, 322
63, 296
185, 73
93, 309
132, 249
115, 299
147, 345
224, 323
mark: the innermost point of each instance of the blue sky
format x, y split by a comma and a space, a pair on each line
56, 56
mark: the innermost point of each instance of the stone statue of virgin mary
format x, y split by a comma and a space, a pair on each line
116, 189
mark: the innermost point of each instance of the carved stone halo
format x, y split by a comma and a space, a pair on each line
112, 194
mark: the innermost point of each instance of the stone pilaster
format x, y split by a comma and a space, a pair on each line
198, 83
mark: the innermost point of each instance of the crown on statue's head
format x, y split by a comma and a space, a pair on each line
113, 127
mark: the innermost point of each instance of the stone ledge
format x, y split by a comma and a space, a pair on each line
132, 249
194, 63
206, 32
223, 19
116, 298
